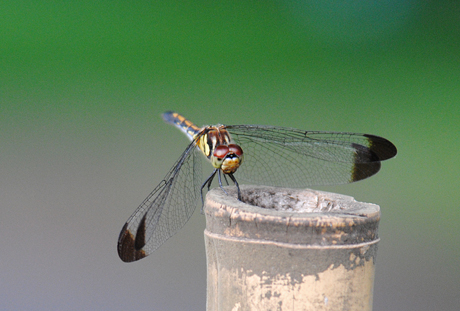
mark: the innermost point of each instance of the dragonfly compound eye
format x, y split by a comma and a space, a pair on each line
235, 149
221, 151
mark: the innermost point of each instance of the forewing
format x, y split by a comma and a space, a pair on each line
290, 157
167, 208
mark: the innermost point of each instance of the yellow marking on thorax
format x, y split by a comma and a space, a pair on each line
203, 145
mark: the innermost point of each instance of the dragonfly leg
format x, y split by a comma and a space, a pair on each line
208, 182
236, 184
225, 177
220, 182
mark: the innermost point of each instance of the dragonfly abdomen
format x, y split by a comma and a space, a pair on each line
181, 123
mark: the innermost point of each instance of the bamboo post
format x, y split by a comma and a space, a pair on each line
305, 250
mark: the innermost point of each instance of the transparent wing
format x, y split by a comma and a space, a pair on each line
290, 157
167, 208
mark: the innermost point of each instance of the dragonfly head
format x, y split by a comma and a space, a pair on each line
227, 158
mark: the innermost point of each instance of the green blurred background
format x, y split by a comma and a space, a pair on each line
82, 87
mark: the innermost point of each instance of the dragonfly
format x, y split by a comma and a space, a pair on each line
268, 155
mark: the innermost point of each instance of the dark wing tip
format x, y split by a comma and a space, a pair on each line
364, 170
367, 158
130, 247
381, 147
366, 163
